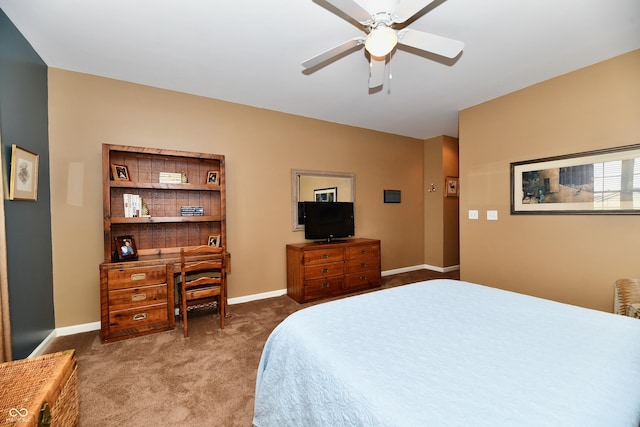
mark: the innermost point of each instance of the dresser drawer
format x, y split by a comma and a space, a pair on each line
323, 270
140, 317
358, 265
136, 276
362, 251
322, 288
323, 256
363, 280
137, 297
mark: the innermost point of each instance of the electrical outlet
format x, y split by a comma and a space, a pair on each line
473, 214
492, 215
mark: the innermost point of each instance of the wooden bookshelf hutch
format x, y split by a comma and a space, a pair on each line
135, 295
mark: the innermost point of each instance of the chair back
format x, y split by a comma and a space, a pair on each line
627, 292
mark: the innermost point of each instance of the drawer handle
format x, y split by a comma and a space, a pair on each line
324, 256
363, 277
138, 276
324, 270
140, 316
138, 297
325, 285
363, 264
363, 251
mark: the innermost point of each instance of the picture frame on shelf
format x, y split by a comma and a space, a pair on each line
120, 172
326, 194
214, 240
212, 178
125, 248
600, 182
451, 185
24, 174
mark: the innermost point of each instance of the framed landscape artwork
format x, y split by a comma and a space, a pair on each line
596, 182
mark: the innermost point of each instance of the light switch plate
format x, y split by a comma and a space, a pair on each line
492, 215
473, 214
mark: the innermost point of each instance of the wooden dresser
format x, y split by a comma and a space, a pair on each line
324, 270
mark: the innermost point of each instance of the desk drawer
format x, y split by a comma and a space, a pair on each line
358, 265
362, 251
323, 256
323, 270
139, 317
136, 276
137, 297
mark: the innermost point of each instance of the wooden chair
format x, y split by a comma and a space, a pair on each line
203, 281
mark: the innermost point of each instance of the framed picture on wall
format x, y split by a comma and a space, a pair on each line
24, 174
451, 185
605, 181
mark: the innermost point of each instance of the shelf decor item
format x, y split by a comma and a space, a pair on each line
120, 172
125, 248
24, 174
214, 240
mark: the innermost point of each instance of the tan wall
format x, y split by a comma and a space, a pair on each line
441, 213
261, 148
568, 258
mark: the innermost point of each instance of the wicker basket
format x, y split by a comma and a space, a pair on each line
40, 391
627, 292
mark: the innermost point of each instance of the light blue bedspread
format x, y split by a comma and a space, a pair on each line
450, 353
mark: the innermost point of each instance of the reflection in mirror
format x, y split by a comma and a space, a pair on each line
310, 185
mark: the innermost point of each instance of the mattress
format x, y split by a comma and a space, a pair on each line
449, 353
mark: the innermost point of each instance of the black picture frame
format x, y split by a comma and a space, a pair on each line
599, 182
125, 248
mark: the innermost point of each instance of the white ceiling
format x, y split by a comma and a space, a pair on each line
250, 52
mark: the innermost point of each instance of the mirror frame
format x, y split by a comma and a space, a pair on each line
296, 174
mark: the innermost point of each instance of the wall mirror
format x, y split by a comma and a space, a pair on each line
310, 185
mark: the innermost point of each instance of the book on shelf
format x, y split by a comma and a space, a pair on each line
170, 178
133, 206
191, 211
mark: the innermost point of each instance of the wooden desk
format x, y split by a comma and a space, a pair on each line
137, 297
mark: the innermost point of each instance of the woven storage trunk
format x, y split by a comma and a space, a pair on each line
40, 391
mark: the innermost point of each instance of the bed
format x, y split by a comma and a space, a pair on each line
449, 353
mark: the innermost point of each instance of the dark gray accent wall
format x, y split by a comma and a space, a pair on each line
24, 122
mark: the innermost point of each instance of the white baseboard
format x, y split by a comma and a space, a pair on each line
95, 326
39, 350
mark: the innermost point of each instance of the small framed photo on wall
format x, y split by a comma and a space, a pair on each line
24, 174
451, 185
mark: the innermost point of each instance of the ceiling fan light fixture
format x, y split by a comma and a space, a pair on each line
381, 41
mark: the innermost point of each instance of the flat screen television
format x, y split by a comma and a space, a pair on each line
327, 221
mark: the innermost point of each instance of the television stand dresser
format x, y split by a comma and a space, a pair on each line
323, 270
136, 293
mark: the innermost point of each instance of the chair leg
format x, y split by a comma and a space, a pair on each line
183, 312
222, 308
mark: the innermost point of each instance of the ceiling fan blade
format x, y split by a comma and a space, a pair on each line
334, 51
430, 42
353, 9
376, 71
408, 8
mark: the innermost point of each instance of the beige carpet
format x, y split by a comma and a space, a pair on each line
164, 379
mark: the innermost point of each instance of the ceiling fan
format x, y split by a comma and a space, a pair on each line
382, 36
